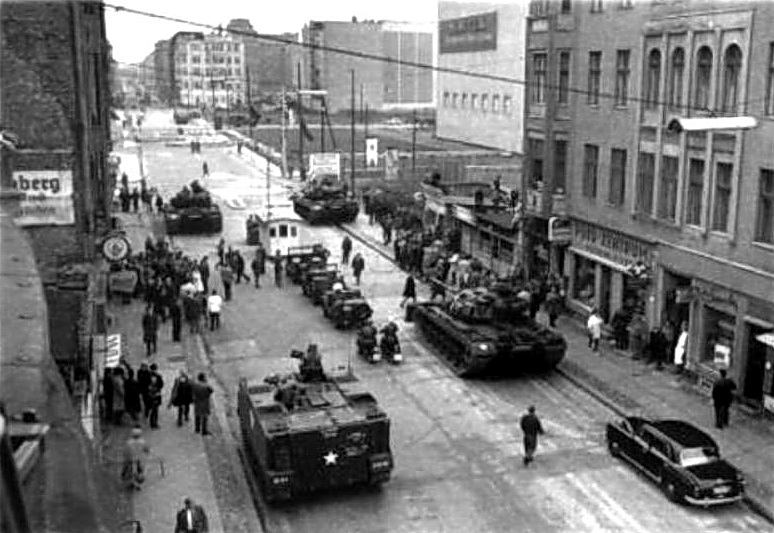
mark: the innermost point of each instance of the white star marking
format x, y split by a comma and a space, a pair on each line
330, 458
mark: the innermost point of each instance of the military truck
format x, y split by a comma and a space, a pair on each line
192, 211
308, 431
488, 331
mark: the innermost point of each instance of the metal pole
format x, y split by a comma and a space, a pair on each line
322, 129
249, 104
414, 147
352, 135
283, 136
299, 106
361, 103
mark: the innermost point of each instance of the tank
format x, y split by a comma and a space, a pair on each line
488, 331
325, 202
307, 431
192, 211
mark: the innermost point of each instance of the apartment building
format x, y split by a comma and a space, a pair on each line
676, 226
210, 72
269, 63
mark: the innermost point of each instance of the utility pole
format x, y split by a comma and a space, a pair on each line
299, 110
361, 103
352, 135
322, 128
249, 104
414, 147
283, 136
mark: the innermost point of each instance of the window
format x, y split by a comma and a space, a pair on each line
446, 99
560, 166
667, 201
595, 72
538, 8
770, 83
590, 160
283, 230
536, 159
723, 173
617, 176
646, 168
653, 79
596, 6
540, 82
764, 228
732, 66
293, 231
695, 192
464, 101
566, 6
676, 79
703, 78
507, 105
563, 94
474, 101
621, 77
484, 102
495, 103
455, 97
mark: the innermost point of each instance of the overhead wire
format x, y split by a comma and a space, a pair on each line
415, 64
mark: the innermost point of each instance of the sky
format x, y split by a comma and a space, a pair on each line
133, 36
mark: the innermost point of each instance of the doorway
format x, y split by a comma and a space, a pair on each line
756, 365
604, 292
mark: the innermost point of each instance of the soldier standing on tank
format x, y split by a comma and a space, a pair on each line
531, 426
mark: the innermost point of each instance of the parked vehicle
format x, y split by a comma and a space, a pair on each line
367, 346
682, 459
317, 281
300, 258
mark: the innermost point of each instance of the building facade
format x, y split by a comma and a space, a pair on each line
269, 63
487, 39
674, 226
381, 84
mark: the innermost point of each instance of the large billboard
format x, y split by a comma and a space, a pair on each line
474, 33
47, 197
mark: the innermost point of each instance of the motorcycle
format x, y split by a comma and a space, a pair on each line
389, 344
367, 345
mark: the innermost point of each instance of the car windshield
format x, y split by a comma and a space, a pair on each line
697, 456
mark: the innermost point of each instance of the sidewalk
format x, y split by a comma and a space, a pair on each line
630, 386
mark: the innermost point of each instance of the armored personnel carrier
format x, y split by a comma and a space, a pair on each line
192, 211
325, 202
307, 431
488, 331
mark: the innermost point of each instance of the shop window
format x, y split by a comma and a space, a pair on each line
695, 192
622, 77
590, 163
764, 231
635, 293
703, 78
723, 172
676, 75
584, 281
732, 66
455, 98
617, 176
595, 74
566, 6
646, 169
668, 190
653, 79
560, 165
539, 72
718, 335
563, 92
283, 230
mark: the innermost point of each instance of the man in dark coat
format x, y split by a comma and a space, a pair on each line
182, 397
278, 269
204, 270
227, 278
107, 393
191, 519
143, 382
346, 249
132, 402
722, 396
150, 326
255, 266
531, 426
201, 392
239, 266
658, 347
176, 315
358, 265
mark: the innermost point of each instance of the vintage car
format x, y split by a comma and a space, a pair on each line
299, 258
681, 458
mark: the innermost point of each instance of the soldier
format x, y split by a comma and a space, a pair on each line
311, 368
358, 265
346, 249
278, 269
531, 426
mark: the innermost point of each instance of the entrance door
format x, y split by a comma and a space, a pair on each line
604, 293
756, 365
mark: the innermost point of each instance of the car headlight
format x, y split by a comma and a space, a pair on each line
483, 347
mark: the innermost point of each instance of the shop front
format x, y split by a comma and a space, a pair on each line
608, 270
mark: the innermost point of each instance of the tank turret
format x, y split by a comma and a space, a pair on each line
192, 211
326, 201
192, 196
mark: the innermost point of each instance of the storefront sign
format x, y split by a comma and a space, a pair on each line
475, 33
372, 151
559, 230
47, 197
113, 350
122, 281
722, 355
766, 338
610, 244
713, 293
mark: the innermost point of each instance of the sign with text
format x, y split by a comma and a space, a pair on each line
47, 197
474, 33
559, 230
372, 151
325, 164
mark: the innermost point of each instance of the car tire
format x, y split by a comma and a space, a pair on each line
670, 489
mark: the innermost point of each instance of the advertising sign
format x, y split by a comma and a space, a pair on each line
474, 33
722, 355
559, 230
325, 164
47, 197
372, 151
122, 281
113, 350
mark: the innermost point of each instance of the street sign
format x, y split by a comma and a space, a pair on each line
372, 151
325, 164
116, 248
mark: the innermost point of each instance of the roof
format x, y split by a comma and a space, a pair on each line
684, 434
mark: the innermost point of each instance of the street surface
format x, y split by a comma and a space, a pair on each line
456, 443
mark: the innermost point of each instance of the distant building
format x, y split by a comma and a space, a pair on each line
269, 64
147, 79
384, 85
486, 39
163, 72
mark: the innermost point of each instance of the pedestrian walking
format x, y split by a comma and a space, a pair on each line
594, 329
143, 382
181, 397
201, 392
409, 290
346, 249
531, 427
722, 397
658, 346
278, 269
176, 315
133, 470
358, 265
553, 306
239, 267
214, 305
191, 518
221, 252
132, 396
154, 397
681, 347
255, 266
227, 278
192, 311
135, 200
205, 169
204, 272
159, 203
119, 395
620, 324
150, 326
